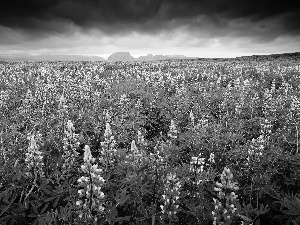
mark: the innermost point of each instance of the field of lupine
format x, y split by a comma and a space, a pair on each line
170, 142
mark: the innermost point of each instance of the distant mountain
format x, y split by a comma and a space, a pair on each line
283, 56
120, 56
125, 56
47, 57
151, 57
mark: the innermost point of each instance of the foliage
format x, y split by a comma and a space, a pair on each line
170, 142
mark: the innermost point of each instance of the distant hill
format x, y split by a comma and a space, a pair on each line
126, 56
46, 57
283, 56
120, 56
150, 57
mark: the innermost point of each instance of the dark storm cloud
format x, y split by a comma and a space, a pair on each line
148, 16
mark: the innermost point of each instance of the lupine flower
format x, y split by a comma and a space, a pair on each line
108, 132
225, 204
34, 157
70, 145
140, 138
196, 168
134, 152
108, 146
159, 154
62, 103
192, 117
138, 104
257, 146
4, 96
173, 130
295, 104
28, 98
203, 122
266, 127
107, 116
135, 158
134, 149
171, 195
239, 106
90, 194
211, 158
123, 100
27, 102
197, 164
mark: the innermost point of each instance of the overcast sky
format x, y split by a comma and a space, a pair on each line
202, 28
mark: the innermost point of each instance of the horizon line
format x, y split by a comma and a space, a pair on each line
136, 57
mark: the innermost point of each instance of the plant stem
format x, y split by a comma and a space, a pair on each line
251, 191
31, 190
153, 219
153, 196
91, 190
297, 139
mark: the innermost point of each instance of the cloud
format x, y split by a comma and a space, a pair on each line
118, 15
150, 26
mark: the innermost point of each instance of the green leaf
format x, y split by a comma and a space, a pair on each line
4, 210
122, 198
55, 202
142, 210
245, 218
45, 189
124, 218
44, 208
291, 213
50, 199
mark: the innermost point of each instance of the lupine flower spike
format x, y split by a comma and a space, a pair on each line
173, 130
196, 167
34, 157
70, 145
171, 196
90, 194
192, 117
225, 204
108, 146
140, 138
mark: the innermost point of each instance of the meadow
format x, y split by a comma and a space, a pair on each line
167, 142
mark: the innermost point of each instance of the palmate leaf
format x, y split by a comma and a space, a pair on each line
290, 206
293, 205
291, 212
16, 213
262, 209
122, 197
245, 218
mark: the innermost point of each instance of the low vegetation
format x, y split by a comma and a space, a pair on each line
169, 142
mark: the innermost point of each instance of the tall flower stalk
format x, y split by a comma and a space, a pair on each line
170, 197
173, 132
34, 160
91, 197
108, 147
70, 146
225, 205
34, 157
